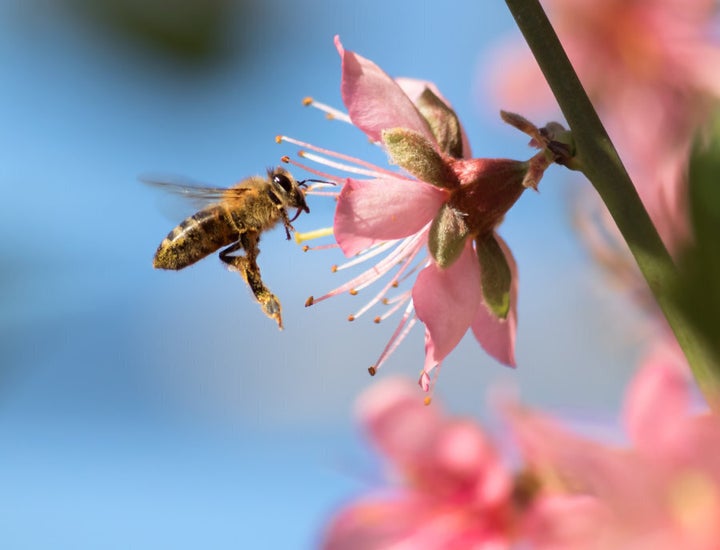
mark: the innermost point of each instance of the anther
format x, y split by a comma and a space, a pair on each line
353, 292
351, 318
310, 301
377, 320
427, 400
285, 159
372, 371
334, 268
305, 248
307, 101
278, 139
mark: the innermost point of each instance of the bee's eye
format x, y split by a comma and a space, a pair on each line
283, 181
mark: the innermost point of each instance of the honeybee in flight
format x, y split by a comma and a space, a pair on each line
234, 217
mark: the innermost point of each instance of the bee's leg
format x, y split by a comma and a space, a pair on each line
248, 268
286, 222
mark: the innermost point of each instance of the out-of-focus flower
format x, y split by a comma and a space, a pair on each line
661, 493
651, 69
453, 491
437, 218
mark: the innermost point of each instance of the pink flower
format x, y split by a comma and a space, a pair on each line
438, 217
651, 69
661, 493
452, 491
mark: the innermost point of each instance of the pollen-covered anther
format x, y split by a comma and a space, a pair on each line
285, 159
377, 320
385, 301
395, 284
372, 371
334, 268
305, 248
310, 301
278, 139
307, 101
351, 318
353, 292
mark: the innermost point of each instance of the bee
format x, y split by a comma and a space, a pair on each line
232, 221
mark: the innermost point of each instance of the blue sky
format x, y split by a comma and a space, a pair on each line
154, 409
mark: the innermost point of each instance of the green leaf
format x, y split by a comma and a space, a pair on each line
495, 274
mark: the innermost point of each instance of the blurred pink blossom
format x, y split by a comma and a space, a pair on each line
663, 492
452, 490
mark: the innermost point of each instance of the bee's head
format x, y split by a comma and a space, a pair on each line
288, 189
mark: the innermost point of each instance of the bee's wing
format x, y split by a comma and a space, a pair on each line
198, 194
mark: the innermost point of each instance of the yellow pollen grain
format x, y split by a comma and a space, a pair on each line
427, 400
372, 371
353, 292
377, 320
307, 101
310, 301
351, 318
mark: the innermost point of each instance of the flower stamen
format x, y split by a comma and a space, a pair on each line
330, 112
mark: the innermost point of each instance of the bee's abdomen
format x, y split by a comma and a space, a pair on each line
197, 236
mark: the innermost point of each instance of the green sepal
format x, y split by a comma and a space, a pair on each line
443, 123
413, 152
496, 275
447, 236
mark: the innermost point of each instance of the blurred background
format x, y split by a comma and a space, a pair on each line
150, 409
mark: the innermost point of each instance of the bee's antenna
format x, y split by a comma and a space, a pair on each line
303, 183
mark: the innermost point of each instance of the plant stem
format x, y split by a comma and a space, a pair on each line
602, 166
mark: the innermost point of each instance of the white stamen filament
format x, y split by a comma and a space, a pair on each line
332, 113
338, 165
367, 254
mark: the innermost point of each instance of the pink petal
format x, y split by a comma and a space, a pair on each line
414, 87
447, 300
382, 209
399, 424
497, 336
657, 404
374, 100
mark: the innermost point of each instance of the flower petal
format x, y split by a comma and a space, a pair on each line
497, 336
374, 101
414, 88
447, 300
369, 211
658, 401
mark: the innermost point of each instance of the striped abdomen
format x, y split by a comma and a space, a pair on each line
197, 236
